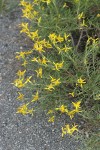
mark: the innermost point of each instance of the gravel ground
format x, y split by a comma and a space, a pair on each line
22, 132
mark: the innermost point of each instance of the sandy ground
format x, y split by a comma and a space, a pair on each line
19, 132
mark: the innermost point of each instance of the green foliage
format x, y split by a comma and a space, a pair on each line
64, 60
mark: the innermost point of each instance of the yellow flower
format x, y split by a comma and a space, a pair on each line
55, 81
97, 97
69, 130
59, 39
28, 80
34, 59
77, 105
27, 10
64, 132
24, 63
65, 5
46, 1
24, 109
64, 49
72, 94
50, 87
28, 52
21, 73
19, 83
39, 72
21, 96
35, 97
80, 82
47, 44
50, 111
51, 119
81, 16
71, 113
20, 55
62, 109
25, 28
66, 36
52, 37
38, 47
43, 61
98, 15
57, 66
83, 24
34, 35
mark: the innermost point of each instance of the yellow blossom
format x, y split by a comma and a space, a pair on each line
62, 109
97, 97
28, 52
65, 5
71, 113
24, 109
72, 94
64, 49
80, 82
57, 66
25, 28
47, 44
46, 1
66, 36
43, 61
98, 15
19, 83
35, 97
69, 130
52, 37
34, 35
59, 39
27, 10
28, 80
50, 87
50, 111
39, 72
51, 119
20, 55
55, 81
77, 105
80, 16
38, 47
24, 63
21, 73
83, 24
64, 132
34, 59
21, 96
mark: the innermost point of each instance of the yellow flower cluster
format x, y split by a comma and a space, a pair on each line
63, 109
54, 82
69, 130
27, 10
80, 82
48, 62
24, 109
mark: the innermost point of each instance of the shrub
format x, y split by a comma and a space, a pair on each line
61, 70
